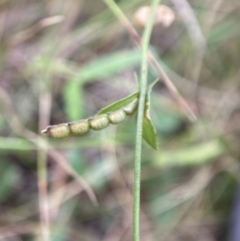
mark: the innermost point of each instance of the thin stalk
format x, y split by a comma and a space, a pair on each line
141, 106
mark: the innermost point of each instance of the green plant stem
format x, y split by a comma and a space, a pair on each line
143, 90
141, 106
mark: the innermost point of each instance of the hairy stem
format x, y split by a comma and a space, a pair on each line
141, 106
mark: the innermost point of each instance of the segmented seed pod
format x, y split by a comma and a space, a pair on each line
58, 131
116, 116
79, 127
131, 107
99, 122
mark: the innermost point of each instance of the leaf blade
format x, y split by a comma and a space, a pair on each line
73, 96
119, 104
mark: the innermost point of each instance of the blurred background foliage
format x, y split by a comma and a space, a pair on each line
63, 60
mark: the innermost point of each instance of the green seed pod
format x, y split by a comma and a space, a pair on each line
79, 127
58, 131
98, 122
116, 116
131, 107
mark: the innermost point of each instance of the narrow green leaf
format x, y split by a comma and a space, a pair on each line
218, 33
119, 104
73, 96
18, 144
198, 154
9, 179
149, 131
107, 65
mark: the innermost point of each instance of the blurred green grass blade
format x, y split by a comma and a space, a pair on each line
20, 144
224, 30
193, 155
9, 178
58, 66
99, 173
73, 98
102, 67
149, 131
108, 65
60, 228
77, 161
119, 104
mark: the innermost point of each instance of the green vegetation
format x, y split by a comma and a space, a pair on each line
64, 60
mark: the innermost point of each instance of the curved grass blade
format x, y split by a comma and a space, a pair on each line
119, 104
